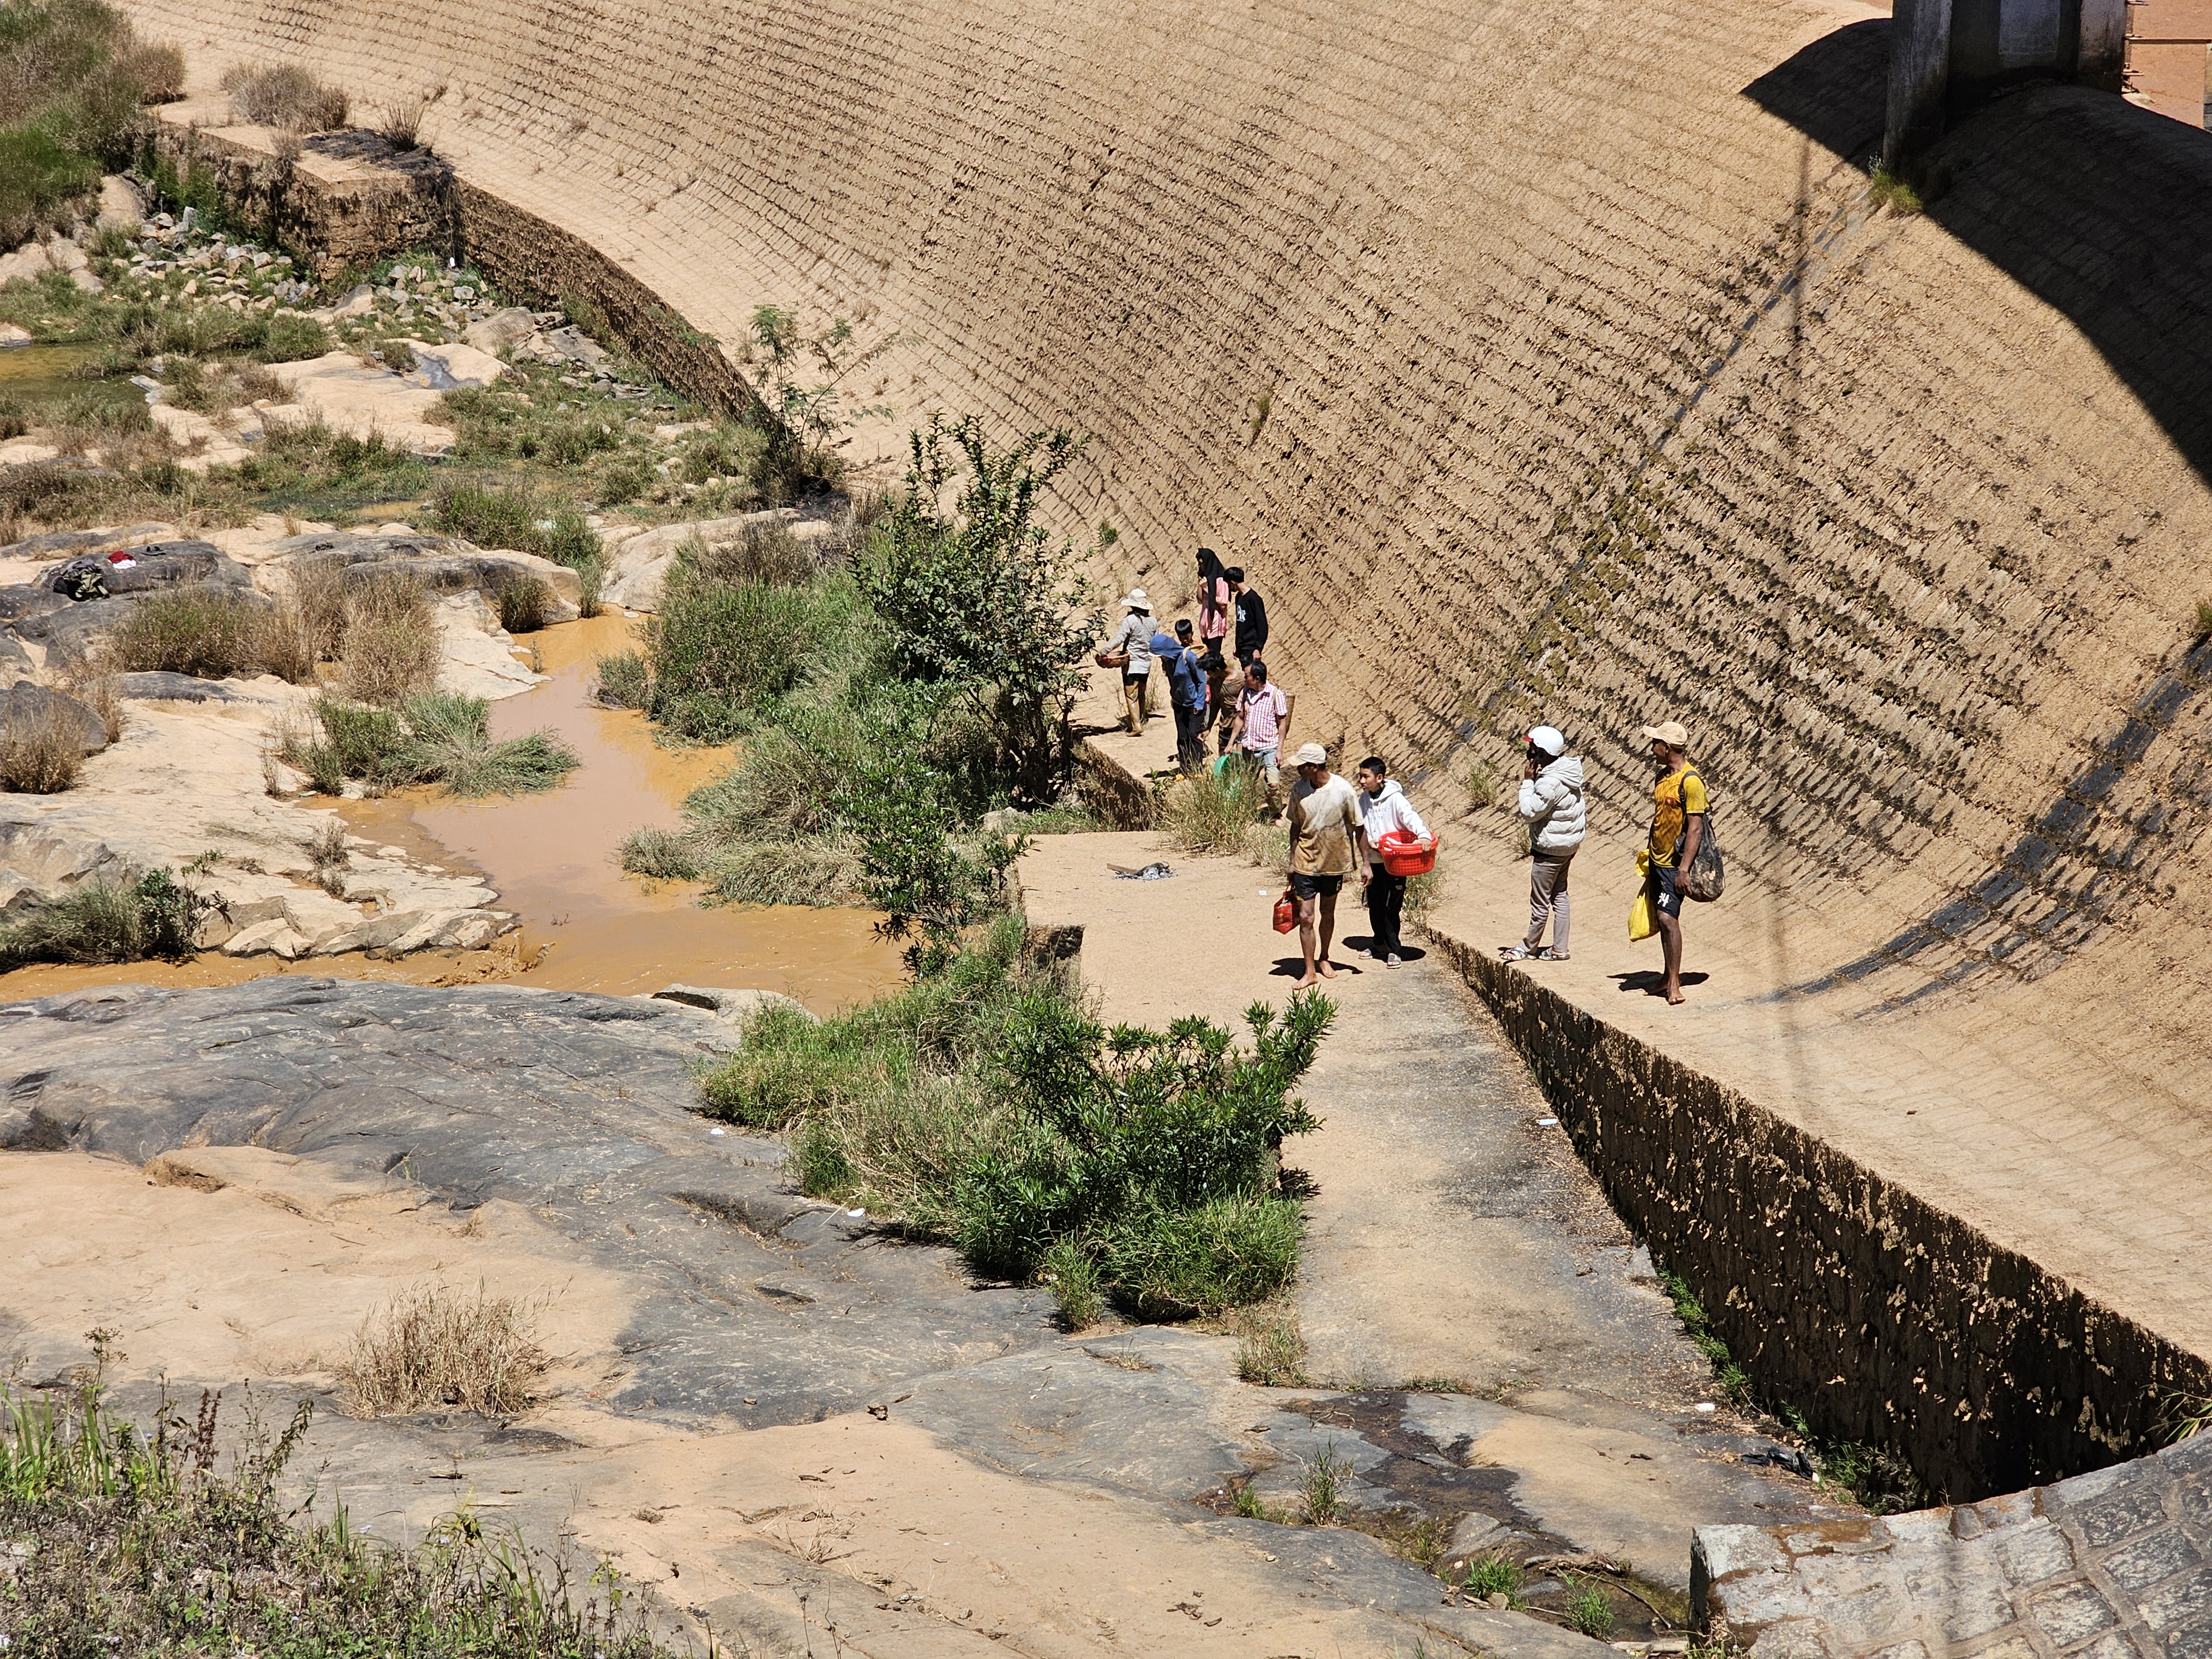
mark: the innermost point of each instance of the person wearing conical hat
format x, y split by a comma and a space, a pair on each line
1132, 648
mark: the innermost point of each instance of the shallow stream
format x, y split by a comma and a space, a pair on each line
553, 860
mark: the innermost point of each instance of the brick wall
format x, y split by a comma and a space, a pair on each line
1883, 1318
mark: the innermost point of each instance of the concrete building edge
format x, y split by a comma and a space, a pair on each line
1882, 1317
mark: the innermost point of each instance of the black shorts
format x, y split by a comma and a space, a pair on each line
1308, 887
1666, 894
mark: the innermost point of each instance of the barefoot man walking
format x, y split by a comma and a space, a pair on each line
1678, 824
1324, 823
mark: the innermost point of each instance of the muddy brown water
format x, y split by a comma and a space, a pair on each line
553, 860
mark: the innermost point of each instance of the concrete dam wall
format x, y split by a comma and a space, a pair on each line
1536, 362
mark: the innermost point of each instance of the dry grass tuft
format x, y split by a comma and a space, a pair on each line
39, 754
1214, 811
1271, 1350
210, 634
389, 643
432, 1347
283, 95
401, 124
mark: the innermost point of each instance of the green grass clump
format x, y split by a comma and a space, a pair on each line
722, 651
437, 737
1590, 1611
660, 855
1323, 1487
1494, 1573
1726, 1374
984, 1105
210, 633
92, 1501
2204, 619
624, 681
1889, 190
105, 920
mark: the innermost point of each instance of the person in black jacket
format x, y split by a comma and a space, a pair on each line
1251, 617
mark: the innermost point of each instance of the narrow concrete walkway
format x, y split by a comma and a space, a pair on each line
1454, 1243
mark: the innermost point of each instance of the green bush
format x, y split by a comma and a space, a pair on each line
522, 601
105, 920
985, 1105
432, 738
69, 105
624, 683
721, 651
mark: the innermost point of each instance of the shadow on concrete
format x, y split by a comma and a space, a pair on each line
2101, 210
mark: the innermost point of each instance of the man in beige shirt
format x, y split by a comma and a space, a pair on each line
1324, 823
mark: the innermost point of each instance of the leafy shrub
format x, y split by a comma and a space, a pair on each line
985, 1105
983, 602
288, 338
75, 78
283, 95
105, 920
622, 680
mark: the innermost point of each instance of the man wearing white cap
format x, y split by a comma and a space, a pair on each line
1678, 825
1131, 650
1324, 824
1551, 804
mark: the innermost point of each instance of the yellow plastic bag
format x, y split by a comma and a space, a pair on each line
1640, 922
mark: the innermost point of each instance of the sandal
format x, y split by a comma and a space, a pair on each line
1516, 952
1547, 954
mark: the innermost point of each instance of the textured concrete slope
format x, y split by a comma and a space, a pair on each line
1535, 358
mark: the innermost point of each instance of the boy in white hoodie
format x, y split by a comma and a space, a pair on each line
1552, 807
1384, 808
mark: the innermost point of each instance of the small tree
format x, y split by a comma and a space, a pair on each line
903, 808
984, 602
803, 418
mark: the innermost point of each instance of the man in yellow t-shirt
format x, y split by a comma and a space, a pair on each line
1678, 825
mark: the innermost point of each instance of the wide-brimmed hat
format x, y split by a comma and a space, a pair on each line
1673, 733
1137, 601
1311, 754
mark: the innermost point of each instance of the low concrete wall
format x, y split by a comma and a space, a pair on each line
522, 254
348, 200
1883, 1318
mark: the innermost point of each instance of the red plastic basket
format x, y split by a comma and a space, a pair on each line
1407, 856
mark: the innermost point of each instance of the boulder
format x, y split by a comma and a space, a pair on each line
502, 330
732, 1007
176, 564
159, 687
12, 335
578, 347
452, 368
637, 568
121, 206
61, 543
25, 707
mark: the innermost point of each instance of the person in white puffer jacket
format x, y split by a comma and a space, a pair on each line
1552, 807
